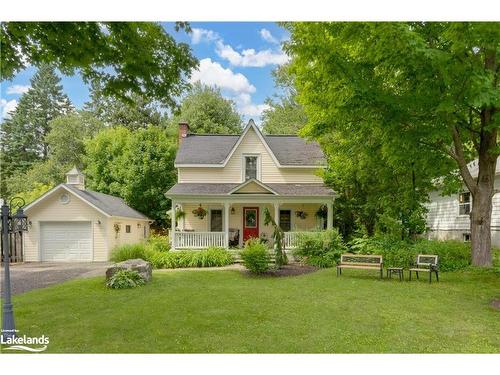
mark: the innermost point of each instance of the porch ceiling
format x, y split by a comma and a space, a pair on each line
225, 189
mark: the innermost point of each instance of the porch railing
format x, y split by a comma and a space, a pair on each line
199, 240
291, 239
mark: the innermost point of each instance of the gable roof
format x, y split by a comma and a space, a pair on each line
109, 205
216, 150
264, 189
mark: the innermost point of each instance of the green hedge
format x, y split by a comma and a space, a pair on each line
453, 255
158, 254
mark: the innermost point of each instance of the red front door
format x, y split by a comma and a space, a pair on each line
250, 222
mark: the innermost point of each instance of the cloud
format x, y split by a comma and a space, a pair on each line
200, 35
18, 89
7, 107
234, 86
268, 37
212, 73
250, 57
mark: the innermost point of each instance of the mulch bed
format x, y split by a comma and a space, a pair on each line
495, 304
293, 269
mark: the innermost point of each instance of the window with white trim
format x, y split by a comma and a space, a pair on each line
464, 203
251, 167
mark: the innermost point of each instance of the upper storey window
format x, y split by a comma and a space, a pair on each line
251, 166
464, 203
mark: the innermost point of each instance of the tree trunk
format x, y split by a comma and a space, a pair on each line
482, 195
480, 225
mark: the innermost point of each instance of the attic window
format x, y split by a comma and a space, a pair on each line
251, 167
464, 203
73, 179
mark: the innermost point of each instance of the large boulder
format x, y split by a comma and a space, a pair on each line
141, 266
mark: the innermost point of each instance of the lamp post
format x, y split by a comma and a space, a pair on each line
16, 223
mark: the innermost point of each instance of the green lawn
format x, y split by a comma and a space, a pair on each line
227, 312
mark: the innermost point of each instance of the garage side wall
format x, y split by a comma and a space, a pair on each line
51, 209
121, 237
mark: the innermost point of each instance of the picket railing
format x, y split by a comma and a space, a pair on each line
199, 240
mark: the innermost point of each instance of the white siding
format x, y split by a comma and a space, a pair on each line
444, 221
232, 172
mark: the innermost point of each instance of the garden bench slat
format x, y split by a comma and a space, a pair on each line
367, 262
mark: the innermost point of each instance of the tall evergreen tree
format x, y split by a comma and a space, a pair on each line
138, 113
23, 134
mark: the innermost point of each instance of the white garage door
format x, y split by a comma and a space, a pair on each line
66, 241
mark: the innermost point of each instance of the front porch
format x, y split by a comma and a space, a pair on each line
229, 223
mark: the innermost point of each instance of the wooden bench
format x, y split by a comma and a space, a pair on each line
426, 263
364, 262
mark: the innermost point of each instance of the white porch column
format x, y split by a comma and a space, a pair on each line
226, 225
329, 221
277, 213
172, 231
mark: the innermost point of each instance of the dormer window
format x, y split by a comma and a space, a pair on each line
251, 167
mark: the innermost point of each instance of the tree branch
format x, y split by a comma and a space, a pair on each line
458, 155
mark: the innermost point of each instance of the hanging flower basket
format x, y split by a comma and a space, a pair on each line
301, 214
200, 212
322, 212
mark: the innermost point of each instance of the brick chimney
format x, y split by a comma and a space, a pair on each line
183, 131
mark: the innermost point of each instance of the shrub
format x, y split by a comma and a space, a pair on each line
321, 249
158, 243
255, 256
125, 252
453, 255
211, 257
124, 279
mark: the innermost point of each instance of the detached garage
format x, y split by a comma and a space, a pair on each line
71, 224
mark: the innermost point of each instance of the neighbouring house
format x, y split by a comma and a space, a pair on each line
448, 217
69, 223
226, 181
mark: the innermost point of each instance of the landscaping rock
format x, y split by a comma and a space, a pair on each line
141, 266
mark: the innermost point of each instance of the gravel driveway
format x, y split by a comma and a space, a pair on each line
28, 276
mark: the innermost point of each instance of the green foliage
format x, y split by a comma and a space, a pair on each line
157, 251
255, 256
23, 134
139, 113
280, 257
453, 255
125, 279
66, 139
133, 251
36, 192
146, 60
322, 249
207, 111
137, 166
158, 243
413, 101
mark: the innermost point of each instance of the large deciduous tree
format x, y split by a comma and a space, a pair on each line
137, 166
127, 57
284, 115
427, 86
207, 111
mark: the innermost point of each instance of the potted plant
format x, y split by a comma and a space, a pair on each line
301, 214
200, 212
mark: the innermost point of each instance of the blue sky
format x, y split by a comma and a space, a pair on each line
237, 57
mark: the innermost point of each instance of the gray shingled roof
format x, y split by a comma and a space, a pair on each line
111, 205
213, 149
302, 190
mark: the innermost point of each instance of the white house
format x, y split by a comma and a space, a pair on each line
448, 216
226, 181
69, 223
